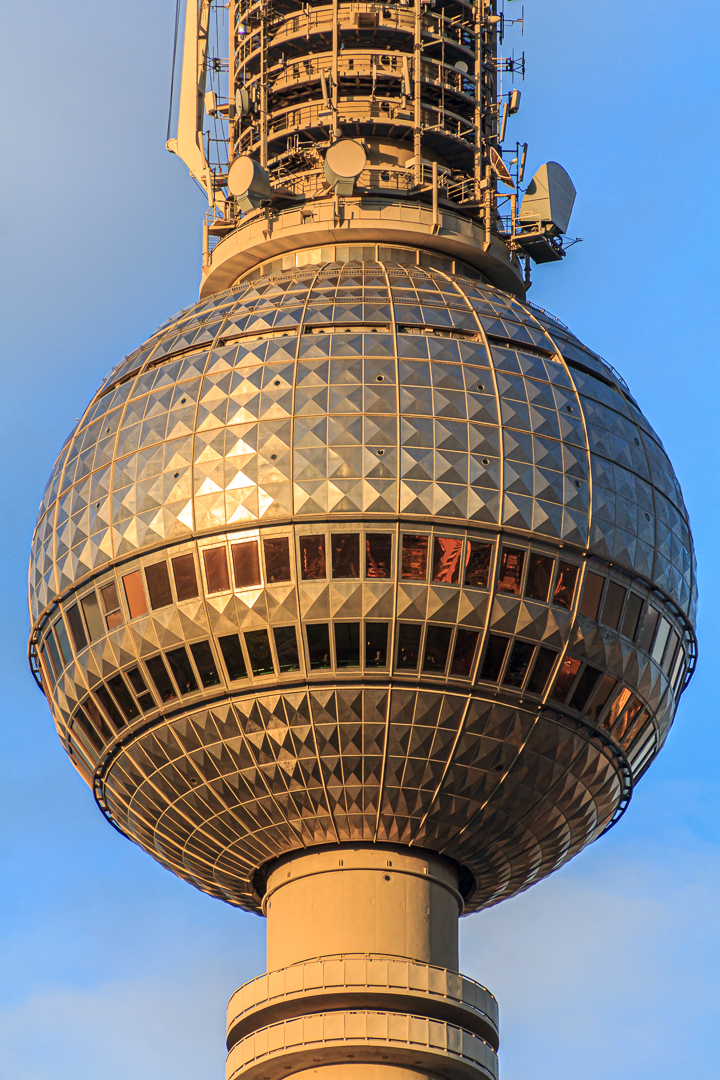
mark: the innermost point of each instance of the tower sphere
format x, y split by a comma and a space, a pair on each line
362, 551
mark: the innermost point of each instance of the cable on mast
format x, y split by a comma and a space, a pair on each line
174, 61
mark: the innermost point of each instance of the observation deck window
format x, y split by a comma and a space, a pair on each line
414, 557
613, 605
122, 695
565, 585
347, 644
134, 594
111, 605
495, 651
544, 663
539, 577
286, 648
246, 564
631, 619
216, 569
186, 586
592, 594
161, 678
565, 678
313, 565
378, 555
277, 560
233, 656
512, 562
159, 589
464, 655
259, 652
437, 646
181, 668
77, 628
318, 640
376, 642
447, 554
204, 658
477, 565
345, 549
408, 646
517, 666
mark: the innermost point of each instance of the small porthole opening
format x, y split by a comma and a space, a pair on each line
380, 453
379, 378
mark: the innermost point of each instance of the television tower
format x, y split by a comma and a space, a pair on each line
362, 593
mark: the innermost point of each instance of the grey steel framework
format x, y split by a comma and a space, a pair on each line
363, 550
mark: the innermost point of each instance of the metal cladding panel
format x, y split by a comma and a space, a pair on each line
363, 551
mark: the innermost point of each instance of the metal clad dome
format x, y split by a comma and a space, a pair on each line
362, 552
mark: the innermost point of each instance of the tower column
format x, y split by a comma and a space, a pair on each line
362, 952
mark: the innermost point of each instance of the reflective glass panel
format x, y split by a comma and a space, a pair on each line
565, 585
257, 644
447, 551
98, 720
136, 680
660, 639
600, 697
544, 663
53, 653
632, 615
376, 639
586, 684
135, 594
494, 655
111, 604
618, 704
512, 561
246, 564
123, 696
540, 572
345, 548
565, 678
592, 591
158, 583
93, 617
652, 616
76, 627
216, 569
233, 656
378, 553
477, 567
347, 645
613, 604
277, 559
181, 668
82, 723
464, 655
408, 646
312, 557
103, 695
205, 663
437, 645
161, 678
109, 596
670, 652
414, 557
318, 639
286, 648
185, 576
63, 640
518, 664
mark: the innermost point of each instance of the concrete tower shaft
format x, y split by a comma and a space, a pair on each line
362, 974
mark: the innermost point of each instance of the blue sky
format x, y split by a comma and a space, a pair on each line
109, 965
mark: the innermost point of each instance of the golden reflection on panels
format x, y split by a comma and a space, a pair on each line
313, 569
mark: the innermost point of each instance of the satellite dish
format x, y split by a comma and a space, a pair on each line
461, 66
344, 162
243, 101
500, 168
249, 182
549, 199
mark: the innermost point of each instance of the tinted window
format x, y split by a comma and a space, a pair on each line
312, 558
347, 644
446, 559
277, 559
414, 558
159, 675
512, 561
477, 567
111, 605
76, 627
565, 585
376, 639
246, 564
632, 615
216, 569
123, 696
233, 656
565, 678
586, 684
600, 697
93, 618
408, 646
660, 639
648, 630
494, 655
345, 549
592, 591
518, 663
437, 645
98, 720
158, 583
540, 572
54, 653
612, 607
185, 577
464, 655
544, 662
135, 594
108, 704
181, 668
63, 640
82, 723
286, 648
257, 644
205, 663
318, 639
378, 553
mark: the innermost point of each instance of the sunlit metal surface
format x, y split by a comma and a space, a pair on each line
362, 551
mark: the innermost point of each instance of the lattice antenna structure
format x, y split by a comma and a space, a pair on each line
404, 98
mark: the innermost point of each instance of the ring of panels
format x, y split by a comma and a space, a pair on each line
421, 660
